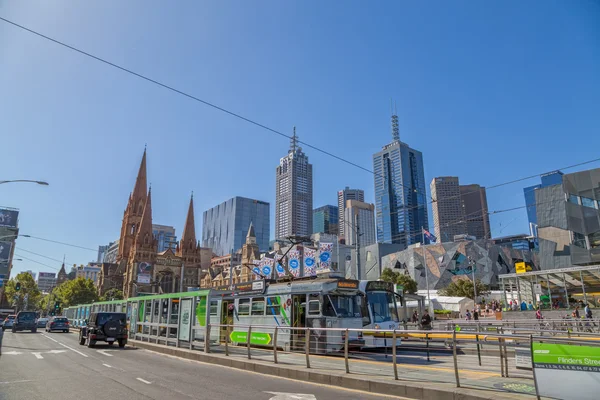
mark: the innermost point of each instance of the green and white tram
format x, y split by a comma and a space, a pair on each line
382, 312
291, 306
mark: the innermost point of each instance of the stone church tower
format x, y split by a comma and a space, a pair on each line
188, 250
250, 252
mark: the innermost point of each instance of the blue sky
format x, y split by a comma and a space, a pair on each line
488, 91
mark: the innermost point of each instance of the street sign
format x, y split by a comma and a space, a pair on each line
259, 338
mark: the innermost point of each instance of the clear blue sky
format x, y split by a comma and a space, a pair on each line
488, 91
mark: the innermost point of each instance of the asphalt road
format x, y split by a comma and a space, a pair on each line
54, 367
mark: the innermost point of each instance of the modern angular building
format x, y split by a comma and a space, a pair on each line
343, 197
448, 215
325, 220
359, 219
294, 194
473, 199
549, 179
165, 236
224, 227
400, 192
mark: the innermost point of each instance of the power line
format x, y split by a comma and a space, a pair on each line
63, 243
37, 262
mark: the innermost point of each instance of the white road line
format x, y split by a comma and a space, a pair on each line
46, 336
104, 352
22, 381
72, 349
107, 366
143, 380
38, 356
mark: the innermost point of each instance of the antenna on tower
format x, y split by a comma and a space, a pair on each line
294, 142
395, 129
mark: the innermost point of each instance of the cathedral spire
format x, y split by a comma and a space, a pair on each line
251, 233
189, 230
139, 190
146, 222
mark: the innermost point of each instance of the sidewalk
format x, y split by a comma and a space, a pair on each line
369, 376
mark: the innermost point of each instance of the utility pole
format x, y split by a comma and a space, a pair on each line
231, 269
181, 278
429, 305
474, 283
357, 246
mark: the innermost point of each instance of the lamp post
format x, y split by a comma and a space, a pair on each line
43, 183
474, 283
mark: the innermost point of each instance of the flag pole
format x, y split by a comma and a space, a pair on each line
426, 272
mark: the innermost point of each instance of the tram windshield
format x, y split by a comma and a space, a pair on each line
383, 306
343, 306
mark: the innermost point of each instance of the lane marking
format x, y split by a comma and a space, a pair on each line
10, 383
13, 353
107, 366
72, 349
38, 356
104, 352
143, 380
46, 336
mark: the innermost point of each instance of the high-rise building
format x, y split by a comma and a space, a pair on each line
224, 227
294, 193
448, 215
9, 231
474, 203
360, 223
90, 271
46, 281
325, 220
549, 179
343, 196
165, 236
400, 192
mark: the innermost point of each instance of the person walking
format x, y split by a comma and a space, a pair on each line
426, 321
1, 337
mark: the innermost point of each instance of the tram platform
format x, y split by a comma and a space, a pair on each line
417, 377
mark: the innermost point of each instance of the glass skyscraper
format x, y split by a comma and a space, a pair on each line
165, 235
224, 227
325, 220
400, 192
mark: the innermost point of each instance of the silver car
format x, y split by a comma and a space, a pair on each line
9, 322
58, 324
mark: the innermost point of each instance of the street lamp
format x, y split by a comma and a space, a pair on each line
474, 283
43, 183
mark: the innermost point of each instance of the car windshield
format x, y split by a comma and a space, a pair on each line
27, 316
346, 306
104, 318
382, 306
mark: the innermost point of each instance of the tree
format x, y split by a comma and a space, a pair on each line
28, 297
464, 288
408, 283
77, 291
112, 294
72, 274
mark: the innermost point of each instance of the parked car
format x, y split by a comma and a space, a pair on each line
107, 327
8, 322
25, 321
41, 322
58, 324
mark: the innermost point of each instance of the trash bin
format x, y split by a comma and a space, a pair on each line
498, 315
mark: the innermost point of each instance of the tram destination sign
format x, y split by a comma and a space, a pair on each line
380, 285
347, 284
238, 289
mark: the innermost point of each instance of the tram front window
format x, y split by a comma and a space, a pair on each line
346, 306
382, 306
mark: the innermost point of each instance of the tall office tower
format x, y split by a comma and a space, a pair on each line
325, 220
400, 192
448, 215
343, 197
474, 203
360, 223
293, 196
548, 179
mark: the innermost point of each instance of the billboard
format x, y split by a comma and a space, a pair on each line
5, 251
46, 275
144, 273
8, 217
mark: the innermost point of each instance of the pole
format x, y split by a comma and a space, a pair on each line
583, 287
566, 291
181, 279
337, 245
357, 247
426, 271
231, 269
474, 282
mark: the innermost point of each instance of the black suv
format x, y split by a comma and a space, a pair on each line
25, 321
107, 327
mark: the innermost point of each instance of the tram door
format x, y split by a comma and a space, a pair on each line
226, 318
298, 321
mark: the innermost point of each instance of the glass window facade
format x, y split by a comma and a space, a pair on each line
326, 220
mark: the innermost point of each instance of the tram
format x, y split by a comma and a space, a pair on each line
382, 312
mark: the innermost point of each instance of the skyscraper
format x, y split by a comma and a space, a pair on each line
549, 179
360, 223
448, 215
165, 235
224, 227
474, 204
293, 196
343, 196
400, 193
325, 220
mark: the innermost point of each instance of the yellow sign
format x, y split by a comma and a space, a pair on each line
522, 267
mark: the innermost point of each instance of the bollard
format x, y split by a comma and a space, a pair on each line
248, 341
307, 346
394, 351
505, 357
226, 341
346, 351
275, 346
427, 341
501, 356
455, 359
207, 339
478, 346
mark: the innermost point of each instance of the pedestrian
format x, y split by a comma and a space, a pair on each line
426, 321
1, 337
468, 315
530, 306
576, 313
587, 311
415, 317
487, 310
476, 314
538, 314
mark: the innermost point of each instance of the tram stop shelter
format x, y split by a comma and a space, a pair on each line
563, 287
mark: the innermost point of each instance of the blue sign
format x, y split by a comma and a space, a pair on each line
279, 268
324, 257
267, 270
294, 264
309, 262
256, 270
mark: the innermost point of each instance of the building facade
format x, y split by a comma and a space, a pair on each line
110, 255
448, 215
90, 271
549, 179
224, 227
46, 281
360, 223
474, 203
165, 235
294, 193
109, 278
326, 220
568, 221
343, 197
9, 231
400, 192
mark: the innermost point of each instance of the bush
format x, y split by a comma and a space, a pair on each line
442, 312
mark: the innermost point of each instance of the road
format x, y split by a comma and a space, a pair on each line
54, 367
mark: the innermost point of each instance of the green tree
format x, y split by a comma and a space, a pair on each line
409, 284
464, 288
112, 294
77, 291
26, 299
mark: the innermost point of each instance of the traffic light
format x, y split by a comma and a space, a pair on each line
18, 286
57, 305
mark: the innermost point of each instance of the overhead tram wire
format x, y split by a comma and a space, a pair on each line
37, 262
192, 97
63, 243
